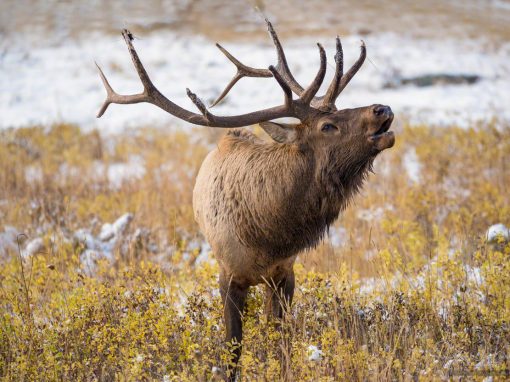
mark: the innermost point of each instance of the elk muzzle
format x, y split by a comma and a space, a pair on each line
379, 136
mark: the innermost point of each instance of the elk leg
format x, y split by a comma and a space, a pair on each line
279, 295
234, 299
278, 301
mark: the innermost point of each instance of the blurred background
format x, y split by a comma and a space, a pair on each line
437, 62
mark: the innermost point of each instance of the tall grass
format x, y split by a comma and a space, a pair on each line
411, 290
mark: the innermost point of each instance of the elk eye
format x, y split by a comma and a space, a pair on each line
328, 128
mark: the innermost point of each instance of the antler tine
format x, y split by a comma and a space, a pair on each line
246, 71
331, 93
200, 105
142, 73
284, 85
113, 97
352, 71
242, 71
311, 90
109, 92
283, 67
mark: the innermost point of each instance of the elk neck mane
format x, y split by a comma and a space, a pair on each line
282, 196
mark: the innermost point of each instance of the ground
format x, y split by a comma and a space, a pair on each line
104, 275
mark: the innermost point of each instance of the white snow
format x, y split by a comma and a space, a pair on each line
370, 214
73, 91
374, 285
373, 214
8, 241
474, 274
107, 232
120, 225
448, 365
497, 232
33, 173
204, 255
337, 236
486, 363
314, 353
85, 237
117, 173
412, 165
102, 246
33, 247
90, 257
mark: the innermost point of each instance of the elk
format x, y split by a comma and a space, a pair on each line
260, 203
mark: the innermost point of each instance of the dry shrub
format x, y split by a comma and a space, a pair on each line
410, 290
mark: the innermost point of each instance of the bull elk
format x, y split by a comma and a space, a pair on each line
260, 203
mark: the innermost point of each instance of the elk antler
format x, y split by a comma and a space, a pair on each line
340, 80
299, 108
325, 102
245, 71
302, 108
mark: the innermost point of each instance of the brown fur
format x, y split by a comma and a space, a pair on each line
263, 202
260, 203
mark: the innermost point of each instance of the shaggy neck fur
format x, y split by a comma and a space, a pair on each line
339, 175
289, 197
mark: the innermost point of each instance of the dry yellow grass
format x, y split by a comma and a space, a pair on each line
412, 291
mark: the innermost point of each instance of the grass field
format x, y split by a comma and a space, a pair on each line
406, 288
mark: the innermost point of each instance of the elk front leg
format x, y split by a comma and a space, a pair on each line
234, 299
278, 301
279, 295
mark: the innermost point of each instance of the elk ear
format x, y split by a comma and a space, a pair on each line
280, 132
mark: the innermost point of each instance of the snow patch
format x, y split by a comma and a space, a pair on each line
370, 214
474, 274
497, 232
8, 240
204, 255
119, 172
102, 246
33, 174
204, 70
412, 165
314, 353
373, 214
33, 247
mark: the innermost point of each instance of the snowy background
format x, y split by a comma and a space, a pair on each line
47, 71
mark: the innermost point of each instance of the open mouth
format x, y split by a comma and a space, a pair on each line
382, 138
385, 126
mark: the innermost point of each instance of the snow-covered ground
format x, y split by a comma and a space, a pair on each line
41, 84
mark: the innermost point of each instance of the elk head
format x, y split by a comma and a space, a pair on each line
363, 131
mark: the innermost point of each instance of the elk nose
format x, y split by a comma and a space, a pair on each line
382, 110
